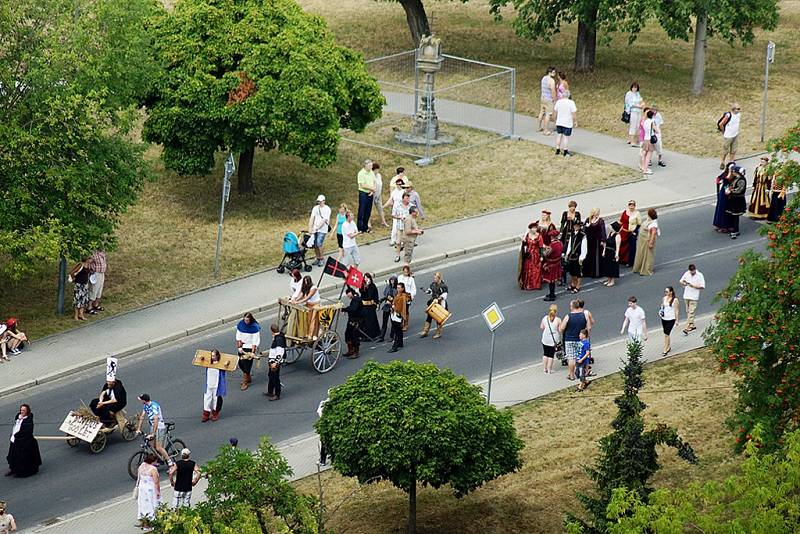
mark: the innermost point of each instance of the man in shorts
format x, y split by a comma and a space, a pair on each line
566, 119
319, 224
183, 476
349, 245
547, 99
730, 135
152, 410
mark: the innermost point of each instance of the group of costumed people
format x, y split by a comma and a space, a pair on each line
581, 248
767, 201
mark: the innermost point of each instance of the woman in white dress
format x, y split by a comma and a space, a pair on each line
634, 105
148, 490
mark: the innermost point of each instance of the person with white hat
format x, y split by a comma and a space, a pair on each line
319, 225
183, 476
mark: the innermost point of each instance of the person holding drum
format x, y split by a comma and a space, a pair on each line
437, 306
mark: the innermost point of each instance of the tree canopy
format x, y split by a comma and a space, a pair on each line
240, 74
413, 423
628, 455
248, 491
756, 333
70, 73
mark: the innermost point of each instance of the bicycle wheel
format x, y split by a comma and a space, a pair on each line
175, 451
134, 462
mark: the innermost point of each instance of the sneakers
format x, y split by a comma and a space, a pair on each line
567, 154
558, 152
397, 259
647, 171
15, 351
734, 235
662, 164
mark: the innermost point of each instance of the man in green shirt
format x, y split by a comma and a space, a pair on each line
366, 190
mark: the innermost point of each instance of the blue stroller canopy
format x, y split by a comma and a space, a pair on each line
291, 244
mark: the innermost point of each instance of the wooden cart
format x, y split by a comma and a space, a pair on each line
93, 432
324, 346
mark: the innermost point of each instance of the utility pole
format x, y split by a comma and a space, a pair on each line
770, 59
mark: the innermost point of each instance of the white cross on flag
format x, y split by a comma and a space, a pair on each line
355, 278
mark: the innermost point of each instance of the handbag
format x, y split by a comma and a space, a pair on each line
559, 347
653, 138
626, 117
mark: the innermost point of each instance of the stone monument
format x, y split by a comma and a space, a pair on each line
425, 130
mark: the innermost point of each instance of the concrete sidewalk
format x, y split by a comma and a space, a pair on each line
510, 388
59, 355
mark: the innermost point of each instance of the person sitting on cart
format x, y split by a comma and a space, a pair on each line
355, 313
112, 399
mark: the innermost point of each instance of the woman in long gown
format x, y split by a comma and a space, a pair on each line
646, 244
529, 275
148, 490
23, 450
568, 219
611, 257
629, 223
722, 221
595, 229
369, 318
547, 229
759, 199
777, 203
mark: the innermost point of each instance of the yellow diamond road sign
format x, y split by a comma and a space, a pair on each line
493, 316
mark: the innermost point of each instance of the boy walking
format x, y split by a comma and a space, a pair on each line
585, 354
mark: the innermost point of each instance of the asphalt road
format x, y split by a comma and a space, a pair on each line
72, 479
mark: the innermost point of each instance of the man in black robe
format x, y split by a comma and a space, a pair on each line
354, 315
23, 451
111, 400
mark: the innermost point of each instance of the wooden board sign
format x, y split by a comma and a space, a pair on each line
80, 427
227, 362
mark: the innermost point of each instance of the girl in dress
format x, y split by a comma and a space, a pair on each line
646, 244
611, 255
547, 229
595, 229
79, 276
563, 85
148, 491
722, 221
568, 219
529, 274
777, 203
309, 295
369, 311
388, 296
759, 200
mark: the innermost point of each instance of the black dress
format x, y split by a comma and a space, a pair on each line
595, 235
23, 453
354, 312
610, 264
776, 206
369, 319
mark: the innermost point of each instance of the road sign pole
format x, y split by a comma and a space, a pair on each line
226, 193
769, 59
491, 369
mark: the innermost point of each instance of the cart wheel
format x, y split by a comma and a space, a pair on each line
308, 268
72, 442
99, 442
129, 430
281, 269
293, 353
326, 352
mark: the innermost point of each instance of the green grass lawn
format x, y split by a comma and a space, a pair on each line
662, 67
560, 432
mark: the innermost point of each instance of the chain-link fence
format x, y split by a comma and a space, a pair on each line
469, 104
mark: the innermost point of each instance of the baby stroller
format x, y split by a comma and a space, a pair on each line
294, 252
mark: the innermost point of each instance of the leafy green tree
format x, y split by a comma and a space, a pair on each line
541, 19
764, 497
413, 423
628, 455
756, 333
241, 74
248, 491
733, 20
70, 72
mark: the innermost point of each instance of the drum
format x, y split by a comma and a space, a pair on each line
438, 312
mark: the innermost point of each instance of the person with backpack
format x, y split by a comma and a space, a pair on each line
728, 124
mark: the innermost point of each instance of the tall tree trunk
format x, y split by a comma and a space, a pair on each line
245, 183
699, 67
586, 43
417, 19
412, 502
62, 282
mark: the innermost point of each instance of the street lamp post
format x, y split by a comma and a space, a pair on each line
770, 58
226, 193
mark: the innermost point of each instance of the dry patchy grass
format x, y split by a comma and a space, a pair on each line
662, 67
166, 241
560, 432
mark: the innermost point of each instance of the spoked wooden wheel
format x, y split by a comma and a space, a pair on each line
99, 442
129, 430
72, 442
294, 353
326, 352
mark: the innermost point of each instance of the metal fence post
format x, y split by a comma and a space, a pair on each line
513, 99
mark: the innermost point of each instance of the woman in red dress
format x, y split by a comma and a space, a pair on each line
529, 275
629, 222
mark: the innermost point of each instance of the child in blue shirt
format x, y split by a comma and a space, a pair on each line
584, 354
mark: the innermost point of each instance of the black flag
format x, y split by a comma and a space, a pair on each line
335, 268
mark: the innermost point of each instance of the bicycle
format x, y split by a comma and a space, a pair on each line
172, 446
